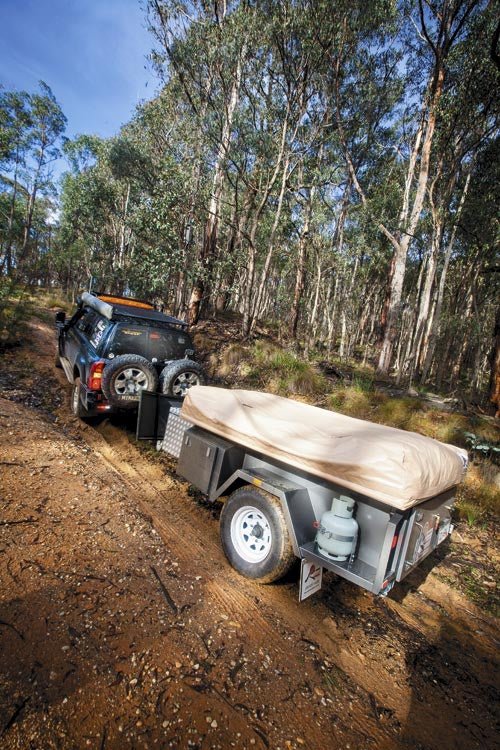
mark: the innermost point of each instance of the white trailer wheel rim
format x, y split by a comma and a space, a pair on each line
251, 534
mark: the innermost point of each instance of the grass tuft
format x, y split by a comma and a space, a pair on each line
398, 412
15, 309
231, 359
267, 367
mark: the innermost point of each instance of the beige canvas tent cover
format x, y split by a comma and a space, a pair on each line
394, 466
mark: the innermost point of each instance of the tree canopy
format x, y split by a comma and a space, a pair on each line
329, 169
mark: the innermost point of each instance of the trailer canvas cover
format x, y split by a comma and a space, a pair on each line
394, 466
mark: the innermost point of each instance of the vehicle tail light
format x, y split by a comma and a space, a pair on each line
95, 375
394, 541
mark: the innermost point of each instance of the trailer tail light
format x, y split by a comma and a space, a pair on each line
387, 584
95, 375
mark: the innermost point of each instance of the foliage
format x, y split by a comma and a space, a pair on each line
481, 448
14, 312
31, 130
274, 174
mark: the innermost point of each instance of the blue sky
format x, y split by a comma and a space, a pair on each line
92, 53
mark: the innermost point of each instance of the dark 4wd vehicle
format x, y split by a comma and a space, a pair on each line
112, 348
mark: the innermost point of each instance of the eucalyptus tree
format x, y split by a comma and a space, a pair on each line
47, 125
120, 202
205, 47
438, 28
14, 143
467, 124
31, 129
91, 203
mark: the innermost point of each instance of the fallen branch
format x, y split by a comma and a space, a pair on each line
12, 627
21, 520
260, 734
169, 600
14, 716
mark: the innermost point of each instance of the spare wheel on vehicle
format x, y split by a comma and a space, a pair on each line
179, 376
125, 377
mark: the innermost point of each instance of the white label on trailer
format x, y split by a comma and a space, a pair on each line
311, 577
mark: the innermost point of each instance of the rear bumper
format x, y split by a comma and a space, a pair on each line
429, 525
94, 402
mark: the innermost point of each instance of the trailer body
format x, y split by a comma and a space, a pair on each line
391, 541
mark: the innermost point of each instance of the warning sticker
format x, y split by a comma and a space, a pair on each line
311, 578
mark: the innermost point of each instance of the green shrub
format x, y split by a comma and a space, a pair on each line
352, 402
482, 448
363, 382
14, 312
398, 412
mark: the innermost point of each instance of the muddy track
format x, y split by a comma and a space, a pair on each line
342, 669
365, 639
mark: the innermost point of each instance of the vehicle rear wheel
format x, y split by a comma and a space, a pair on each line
125, 377
255, 536
77, 407
179, 376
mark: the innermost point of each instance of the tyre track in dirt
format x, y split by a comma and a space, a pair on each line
357, 653
226, 594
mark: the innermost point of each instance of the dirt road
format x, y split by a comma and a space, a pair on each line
122, 626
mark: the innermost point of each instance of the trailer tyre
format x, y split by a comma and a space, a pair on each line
254, 535
125, 377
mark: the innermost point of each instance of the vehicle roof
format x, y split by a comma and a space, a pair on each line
121, 312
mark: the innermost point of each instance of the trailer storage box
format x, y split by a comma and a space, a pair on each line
207, 460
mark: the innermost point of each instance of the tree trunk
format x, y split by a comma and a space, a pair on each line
494, 384
7, 259
248, 308
272, 238
425, 299
301, 264
30, 207
209, 250
432, 332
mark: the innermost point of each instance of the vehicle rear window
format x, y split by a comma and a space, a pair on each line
153, 343
87, 322
98, 331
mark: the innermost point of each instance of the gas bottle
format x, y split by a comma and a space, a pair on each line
338, 530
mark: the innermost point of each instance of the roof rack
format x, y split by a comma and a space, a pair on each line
129, 301
128, 307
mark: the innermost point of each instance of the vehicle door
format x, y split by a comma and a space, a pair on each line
77, 345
